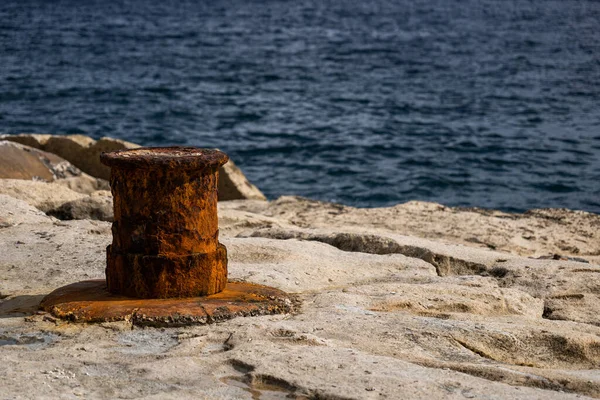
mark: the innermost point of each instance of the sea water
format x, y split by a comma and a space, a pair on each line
489, 103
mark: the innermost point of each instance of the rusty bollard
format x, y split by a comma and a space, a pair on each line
165, 266
165, 230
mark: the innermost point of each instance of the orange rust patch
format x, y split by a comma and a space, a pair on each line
165, 229
90, 301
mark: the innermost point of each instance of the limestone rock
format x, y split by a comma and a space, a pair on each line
16, 212
42, 195
233, 184
532, 234
97, 206
84, 183
418, 300
34, 140
384, 314
18, 161
84, 152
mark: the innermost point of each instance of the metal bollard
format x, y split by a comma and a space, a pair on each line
165, 266
165, 229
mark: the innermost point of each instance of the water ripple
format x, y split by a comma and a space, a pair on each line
474, 103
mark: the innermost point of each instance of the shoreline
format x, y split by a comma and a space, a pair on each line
551, 233
79, 149
429, 300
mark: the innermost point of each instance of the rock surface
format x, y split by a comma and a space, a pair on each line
84, 152
19, 161
97, 206
42, 195
84, 183
398, 302
536, 233
233, 184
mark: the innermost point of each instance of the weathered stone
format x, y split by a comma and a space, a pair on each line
105, 144
84, 152
35, 140
80, 150
233, 185
97, 206
15, 212
536, 233
373, 323
84, 183
18, 161
42, 195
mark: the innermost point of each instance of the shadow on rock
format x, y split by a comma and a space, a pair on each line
20, 305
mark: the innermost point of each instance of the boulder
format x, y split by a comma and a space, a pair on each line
233, 184
35, 140
44, 196
98, 206
19, 161
84, 184
84, 152
16, 212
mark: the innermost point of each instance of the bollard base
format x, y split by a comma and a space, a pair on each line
90, 301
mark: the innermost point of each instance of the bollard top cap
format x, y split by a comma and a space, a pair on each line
176, 157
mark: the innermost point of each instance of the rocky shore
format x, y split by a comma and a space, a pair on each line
418, 300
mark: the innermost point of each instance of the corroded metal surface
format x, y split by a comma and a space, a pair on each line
165, 230
160, 277
90, 301
174, 157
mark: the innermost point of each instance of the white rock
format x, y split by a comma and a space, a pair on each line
84, 152
384, 314
42, 195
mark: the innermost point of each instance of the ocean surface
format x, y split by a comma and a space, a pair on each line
487, 103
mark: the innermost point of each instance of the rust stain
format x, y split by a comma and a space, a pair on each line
90, 301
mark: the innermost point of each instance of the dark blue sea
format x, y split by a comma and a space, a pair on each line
488, 103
